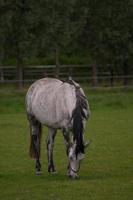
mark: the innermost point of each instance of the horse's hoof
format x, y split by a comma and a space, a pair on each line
38, 173
53, 172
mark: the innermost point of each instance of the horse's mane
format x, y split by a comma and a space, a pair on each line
79, 114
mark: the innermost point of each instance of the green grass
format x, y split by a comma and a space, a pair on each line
107, 170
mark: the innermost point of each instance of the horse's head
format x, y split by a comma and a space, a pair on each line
75, 160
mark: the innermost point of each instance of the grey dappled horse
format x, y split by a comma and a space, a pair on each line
58, 105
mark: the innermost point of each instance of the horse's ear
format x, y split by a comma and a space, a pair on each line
81, 156
87, 143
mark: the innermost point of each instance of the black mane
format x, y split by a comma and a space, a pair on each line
78, 116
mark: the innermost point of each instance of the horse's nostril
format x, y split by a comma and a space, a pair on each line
71, 158
73, 177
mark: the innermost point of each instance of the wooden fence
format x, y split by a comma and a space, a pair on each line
80, 73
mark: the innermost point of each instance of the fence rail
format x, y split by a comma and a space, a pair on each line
80, 73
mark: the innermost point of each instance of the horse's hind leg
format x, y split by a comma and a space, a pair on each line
50, 145
35, 130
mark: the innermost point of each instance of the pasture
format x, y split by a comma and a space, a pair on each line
107, 170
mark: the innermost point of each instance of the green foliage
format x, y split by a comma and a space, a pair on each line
108, 30
101, 30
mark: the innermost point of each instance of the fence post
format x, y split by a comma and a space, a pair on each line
20, 76
94, 75
57, 63
1, 74
111, 77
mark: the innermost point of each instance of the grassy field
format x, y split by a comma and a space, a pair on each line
107, 170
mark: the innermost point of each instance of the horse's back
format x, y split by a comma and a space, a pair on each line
51, 101
35, 89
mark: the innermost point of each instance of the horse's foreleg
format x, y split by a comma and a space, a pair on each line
50, 146
67, 143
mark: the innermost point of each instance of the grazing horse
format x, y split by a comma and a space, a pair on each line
58, 105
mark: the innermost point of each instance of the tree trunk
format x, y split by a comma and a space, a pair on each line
94, 75
125, 72
57, 63
20, 73
111, 77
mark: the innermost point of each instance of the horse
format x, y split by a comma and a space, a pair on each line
58, 105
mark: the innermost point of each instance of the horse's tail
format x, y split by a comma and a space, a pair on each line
35, 141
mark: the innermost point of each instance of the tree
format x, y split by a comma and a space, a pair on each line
4, 28
59, 24
18, 39
104, 29
107, 33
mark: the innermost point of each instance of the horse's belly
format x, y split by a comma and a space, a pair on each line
52, 114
